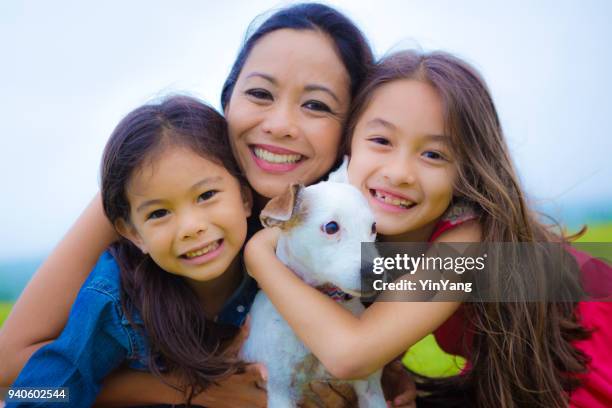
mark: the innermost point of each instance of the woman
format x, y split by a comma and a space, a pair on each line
286, 100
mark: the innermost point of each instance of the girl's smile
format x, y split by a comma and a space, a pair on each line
204, 253
391, 201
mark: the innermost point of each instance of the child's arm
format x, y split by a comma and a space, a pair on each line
93, 343
127, 387
42, 309
348, 346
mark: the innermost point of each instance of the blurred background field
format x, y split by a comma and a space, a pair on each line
5, 308
598, 233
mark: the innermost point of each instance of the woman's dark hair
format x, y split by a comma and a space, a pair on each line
521, 353
181, 339
351, 44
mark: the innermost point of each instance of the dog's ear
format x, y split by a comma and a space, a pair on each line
281, 209
340, 175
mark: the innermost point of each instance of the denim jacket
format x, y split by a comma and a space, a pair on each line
98, 338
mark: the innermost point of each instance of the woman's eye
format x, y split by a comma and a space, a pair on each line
331, 228
259, 93
317, 106
157, 214
208, 195
380, 140
433, 155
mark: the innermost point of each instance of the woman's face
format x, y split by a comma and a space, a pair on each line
287, 110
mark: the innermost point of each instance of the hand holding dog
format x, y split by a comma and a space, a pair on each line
244, 390
236, 391
398, 385
259, 248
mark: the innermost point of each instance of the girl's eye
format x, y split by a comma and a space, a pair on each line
433, 155
259, 93
316, 106
331, 228
157, 214
380, 140
207, 195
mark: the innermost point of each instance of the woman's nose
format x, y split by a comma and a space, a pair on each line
281, 121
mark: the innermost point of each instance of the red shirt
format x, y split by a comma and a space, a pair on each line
596, 390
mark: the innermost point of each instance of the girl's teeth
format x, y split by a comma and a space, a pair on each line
395, 201
205, 250
276, 158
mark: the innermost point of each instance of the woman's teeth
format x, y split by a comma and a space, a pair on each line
393, 200
205, 250
276, 158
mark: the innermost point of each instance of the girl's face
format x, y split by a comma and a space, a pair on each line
401, 160
287, 110
187, 213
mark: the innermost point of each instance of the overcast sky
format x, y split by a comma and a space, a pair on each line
69, 71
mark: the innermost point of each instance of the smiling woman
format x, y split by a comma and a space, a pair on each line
286, 119
288, 95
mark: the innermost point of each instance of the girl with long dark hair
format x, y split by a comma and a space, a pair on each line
171, 294
428, 152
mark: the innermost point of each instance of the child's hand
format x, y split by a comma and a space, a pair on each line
235, 344
239, 390
324, 394
246, 390
398, 385
261, 246
265, 239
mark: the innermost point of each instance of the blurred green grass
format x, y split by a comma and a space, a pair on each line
427, 358
598, 233
594, 234
5, 308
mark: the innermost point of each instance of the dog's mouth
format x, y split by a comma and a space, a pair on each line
337, 294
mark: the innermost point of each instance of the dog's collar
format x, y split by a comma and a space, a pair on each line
335, 293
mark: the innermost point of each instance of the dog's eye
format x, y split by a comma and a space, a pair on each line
331, 228
373, 228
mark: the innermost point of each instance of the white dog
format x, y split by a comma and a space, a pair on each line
322, 228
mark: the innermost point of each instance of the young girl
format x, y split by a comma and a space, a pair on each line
428, 152
171, 294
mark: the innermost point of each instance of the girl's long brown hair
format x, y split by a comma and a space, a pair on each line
181, 340
521, 355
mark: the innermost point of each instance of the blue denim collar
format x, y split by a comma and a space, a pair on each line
236, 308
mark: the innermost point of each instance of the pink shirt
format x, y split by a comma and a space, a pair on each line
596, 390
